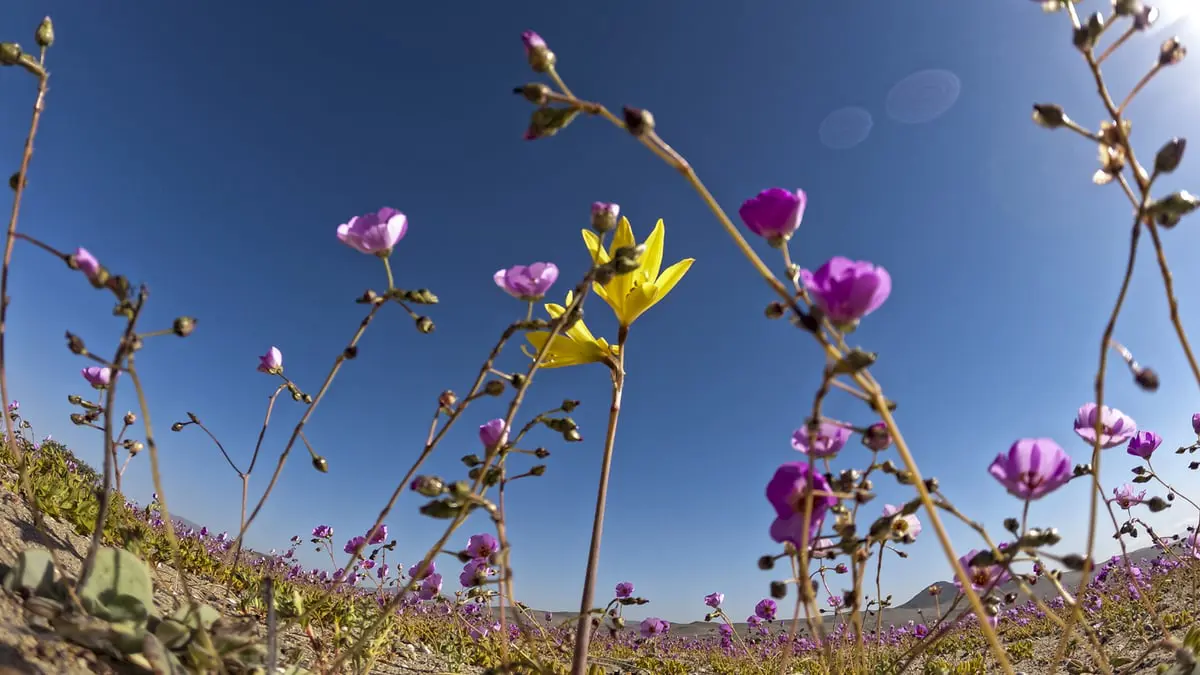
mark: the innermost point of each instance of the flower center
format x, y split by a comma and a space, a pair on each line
1030, 479
980, 577
900, 525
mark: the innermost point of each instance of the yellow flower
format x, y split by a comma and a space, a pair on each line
573, 347
631, 294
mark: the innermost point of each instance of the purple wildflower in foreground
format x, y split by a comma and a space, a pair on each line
97, 377
380, 535
766, 609
430, 587
88, 264
354, 543
271, 362
774, 213
1116, 426
847, 290
319, 532
430, 570
786, 492
829, 439
527, 282
714, 600
1143, 444
624, 589
982, 577
1032, 468
903, 527
1126, 496
654, 626
492, 433
374, 233
482, 545
475, 573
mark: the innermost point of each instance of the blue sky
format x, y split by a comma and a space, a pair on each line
211, 152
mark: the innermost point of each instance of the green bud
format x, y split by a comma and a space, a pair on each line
1049, 115
10, 53
44, 35
494, 387
320, 464
178, 426
1170, 155
425, 324
538, 470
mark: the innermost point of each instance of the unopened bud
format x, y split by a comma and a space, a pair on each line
14, 181
1171, 52
1156, 504
1074, 561
425, 324
44, 35
1012, 525
568, 405
572, 436
536, 93
75, 344
350, 352
639, 122
841, 568
493, 387
428, 486
1085, 36
184, 326
130, 418
77, 418
538, 470
766, 562
472, 460
627, 259
541, 59
74, 399
1049, 115
518, 380
135, 447
1146, 378
320, 464
1170, 155
778, 590
604, 216
178, 426
447, 399
10, 53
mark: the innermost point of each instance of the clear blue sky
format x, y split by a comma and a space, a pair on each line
211, 151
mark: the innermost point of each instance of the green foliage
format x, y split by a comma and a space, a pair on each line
1020, 650
119, 588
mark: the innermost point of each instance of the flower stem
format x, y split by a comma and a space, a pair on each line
387, 266
582, 634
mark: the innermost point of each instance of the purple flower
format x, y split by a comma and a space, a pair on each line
982, 577
1126, 497
1196, 423
354, 543
14, 406
430, 587
527, 282
847, 290
829, 439
492, 433
1143, 444
903, 527
98, 377
88, 264
786, 492
765, 609
271, 363
653, 627
1116, 426
532, 41
774, 214
624, 589
482, 545
877, 437
725, 630
379, 536
714, 600
374, 233
430, 570
320, 532
1032, 468
604, 217
475, 573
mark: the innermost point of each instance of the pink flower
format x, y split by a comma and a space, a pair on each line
904, 528
374, 233
271, 362
98, 377
714, 600
1115, 426
88, 264
1126, 497
1032, 468
482, 545
527, 282
624, 589
492, 433
653, 627
380, 535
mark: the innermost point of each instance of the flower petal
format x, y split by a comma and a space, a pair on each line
652, 258
592, 241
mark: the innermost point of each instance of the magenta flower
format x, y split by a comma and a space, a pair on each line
786, 491
827, 442
1193, 545
983, 577
88, 265
527, 282
380, 535
1143, 444
532, 41
903, 527
374, 233
1116, 426
766, 609
625, 589
271, 362
653, 627
1126, 496
604, 217
725, 630
430, 587
847, 290
475, 573
14, 406
774, 213
714, 600
877, 437
1196, 423
430, 570
353, 544
492, 433
97, 377
319, 532
1032, 468
482, 545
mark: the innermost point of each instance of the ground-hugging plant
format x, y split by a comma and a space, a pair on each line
351, 626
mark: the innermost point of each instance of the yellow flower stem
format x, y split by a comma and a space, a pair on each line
583, 633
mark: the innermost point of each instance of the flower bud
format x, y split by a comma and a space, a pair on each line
568, 405
493, 387
604, 216
44, 35
447, 399
778, 590
766, 562
425, 324
841, 568
572, 436
1086, 35
518, 380
639, 122
135, 447
627, 259
350, 352
1169, 210
1049, 115
75, 344
541, 453
320, 464
178, 426
538, 470
428, 486
130, 418
472, 460
14, 181
1074, 561
1170, 155
443, 509
1156, 504
536, 93
541, 59
774, 310
10, 53
1146, 378
1171, 52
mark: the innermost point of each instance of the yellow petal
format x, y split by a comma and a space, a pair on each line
579, 332
640, 299
592, 241
659, 290
563, 351
652, 258
621, 284
623, 236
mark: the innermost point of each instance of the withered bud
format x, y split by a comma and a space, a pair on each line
130, 418
1137, 470
766, 562
1012, 525
541, 453
1082, 470
320, 464
627, 259
75, 344
44, 35
1146, 378
778, 590
1171, 52
639, 122
447, 399
536, 93
183, 326
774, 310
10, 53
537, 470
350, 352
1194, 465
178, 426
494, 387
428, 486
425, 324
306, 398
931, 484
1170, 155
